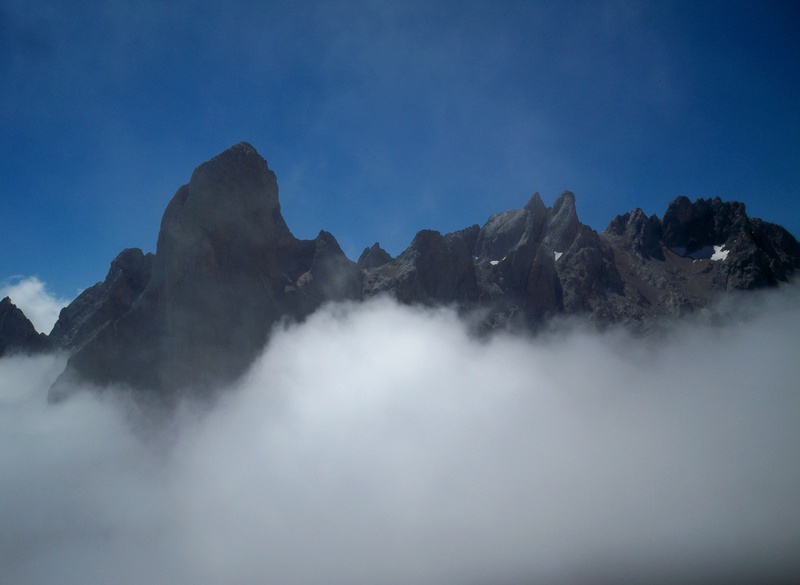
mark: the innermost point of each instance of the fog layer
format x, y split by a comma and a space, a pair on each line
380, 444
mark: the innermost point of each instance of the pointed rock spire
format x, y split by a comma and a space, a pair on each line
373, 257
562, 227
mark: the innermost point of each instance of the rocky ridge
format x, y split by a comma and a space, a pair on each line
17, 333
227, 268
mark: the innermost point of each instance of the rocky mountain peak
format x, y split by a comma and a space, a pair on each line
704, 222
638, 231
17, 333
227, 268
128, 275
535, 204
563, 223
373, 257
224, 217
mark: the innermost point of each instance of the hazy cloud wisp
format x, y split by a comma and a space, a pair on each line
30, 295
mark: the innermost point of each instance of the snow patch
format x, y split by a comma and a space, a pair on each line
720, 253
558, 255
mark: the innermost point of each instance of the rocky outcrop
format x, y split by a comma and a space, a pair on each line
227, 269
641, 234
521, 267
106, 301
17, 333
434, 269
696, 251
373, 257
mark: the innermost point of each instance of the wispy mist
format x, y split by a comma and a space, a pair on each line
382, 444
31, 295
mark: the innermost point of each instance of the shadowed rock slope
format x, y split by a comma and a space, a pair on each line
17, 333
227, 269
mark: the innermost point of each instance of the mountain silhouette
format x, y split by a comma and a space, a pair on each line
227, 269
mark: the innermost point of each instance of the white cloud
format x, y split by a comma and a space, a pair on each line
381, 444
30, 295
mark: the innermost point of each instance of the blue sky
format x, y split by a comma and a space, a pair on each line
384, 118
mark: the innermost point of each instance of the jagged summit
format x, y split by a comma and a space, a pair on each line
17, 333
227, 268
373, 257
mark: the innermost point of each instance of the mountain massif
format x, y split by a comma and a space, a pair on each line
227, 268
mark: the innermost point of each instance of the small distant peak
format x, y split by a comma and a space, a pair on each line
241, 153
244, 148
243, 145
565, 201
617, 225
563, 225
373, 257
326, 241
679, 211
425, 237
535, 204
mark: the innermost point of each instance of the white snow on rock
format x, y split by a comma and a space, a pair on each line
720, 253
704, 253
558, 255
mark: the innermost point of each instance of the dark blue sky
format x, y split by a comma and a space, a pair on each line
384, 118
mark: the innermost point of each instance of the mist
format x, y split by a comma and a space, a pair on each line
382, 444
30, 295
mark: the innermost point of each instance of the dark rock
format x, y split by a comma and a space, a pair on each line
373, 257
17, 333
563, 224
226, 269
512, 229
588, 273
698, 250
434, 269
641, 233
330, 277
105, 301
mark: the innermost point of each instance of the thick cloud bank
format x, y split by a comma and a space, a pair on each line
378, 444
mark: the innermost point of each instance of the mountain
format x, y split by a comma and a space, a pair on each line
227, 269
17, 333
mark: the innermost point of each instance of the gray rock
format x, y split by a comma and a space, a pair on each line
373, 257
563, 224
17, 333
434, 269
106, 301
681, 263
226, 269
640, 233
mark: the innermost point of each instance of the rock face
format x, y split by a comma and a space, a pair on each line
105, 301
373, 257
434, 269
696, 251
17, 333
522, 267
227, 269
